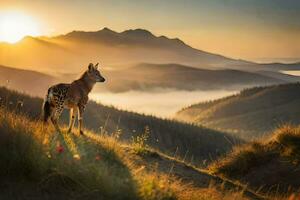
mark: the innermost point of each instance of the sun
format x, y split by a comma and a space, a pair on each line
14, 26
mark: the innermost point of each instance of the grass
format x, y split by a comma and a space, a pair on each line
165, 135
36, 162
83, 165
139, 142
276, 161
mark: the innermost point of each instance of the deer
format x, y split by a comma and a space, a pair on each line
72, 96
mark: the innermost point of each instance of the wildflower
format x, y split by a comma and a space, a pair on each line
59, 148
98, 157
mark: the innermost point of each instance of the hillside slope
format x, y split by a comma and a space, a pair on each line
192, 142
37, 163
270, 166
251, 113
31, 82
148, 76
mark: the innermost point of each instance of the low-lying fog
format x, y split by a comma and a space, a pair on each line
160, 102
291, 72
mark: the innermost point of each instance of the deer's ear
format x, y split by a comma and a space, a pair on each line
96, 66
90, 67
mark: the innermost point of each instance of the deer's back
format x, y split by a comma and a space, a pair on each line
58, 94
59, 90
71, 95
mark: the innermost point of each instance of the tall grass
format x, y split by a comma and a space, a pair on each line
270, 165
33, 158
34, 152
165, 135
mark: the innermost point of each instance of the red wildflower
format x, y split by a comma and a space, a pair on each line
59, 149
98, 157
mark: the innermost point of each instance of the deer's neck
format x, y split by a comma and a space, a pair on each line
87, 82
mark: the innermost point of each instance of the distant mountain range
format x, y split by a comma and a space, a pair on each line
145, 77
72, 51
120, 55
174, 76
252, 113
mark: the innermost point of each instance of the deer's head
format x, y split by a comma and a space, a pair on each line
94, 73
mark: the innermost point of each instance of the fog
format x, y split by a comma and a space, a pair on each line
160, 102
291, 72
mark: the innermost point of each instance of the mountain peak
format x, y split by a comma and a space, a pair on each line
105, 29
138, 33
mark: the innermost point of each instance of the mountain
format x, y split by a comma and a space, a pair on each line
158, 48
146, 77
251, 113
120, 55
282, 66
189, 141
280, 75
117, 49
174, 76
75, 49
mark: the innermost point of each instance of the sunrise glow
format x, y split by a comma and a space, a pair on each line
14, 26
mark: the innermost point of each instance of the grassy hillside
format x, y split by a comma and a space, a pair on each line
36, 163
251, 113
270, 166
31, 82
171, 137
175, 76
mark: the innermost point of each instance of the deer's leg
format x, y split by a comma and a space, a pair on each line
80, 117
72, 119
55, 117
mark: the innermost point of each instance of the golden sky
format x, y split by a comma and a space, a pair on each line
258, 30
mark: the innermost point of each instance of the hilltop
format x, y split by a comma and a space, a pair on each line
196, 143
252, 113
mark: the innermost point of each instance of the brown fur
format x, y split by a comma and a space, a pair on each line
71, 96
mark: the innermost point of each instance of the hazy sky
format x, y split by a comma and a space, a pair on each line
249, 29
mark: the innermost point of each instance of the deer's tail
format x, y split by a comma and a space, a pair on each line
47, 106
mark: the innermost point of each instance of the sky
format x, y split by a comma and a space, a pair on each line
257, 30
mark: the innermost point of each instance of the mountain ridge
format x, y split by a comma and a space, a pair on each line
252, 113
176, 76
128, 46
